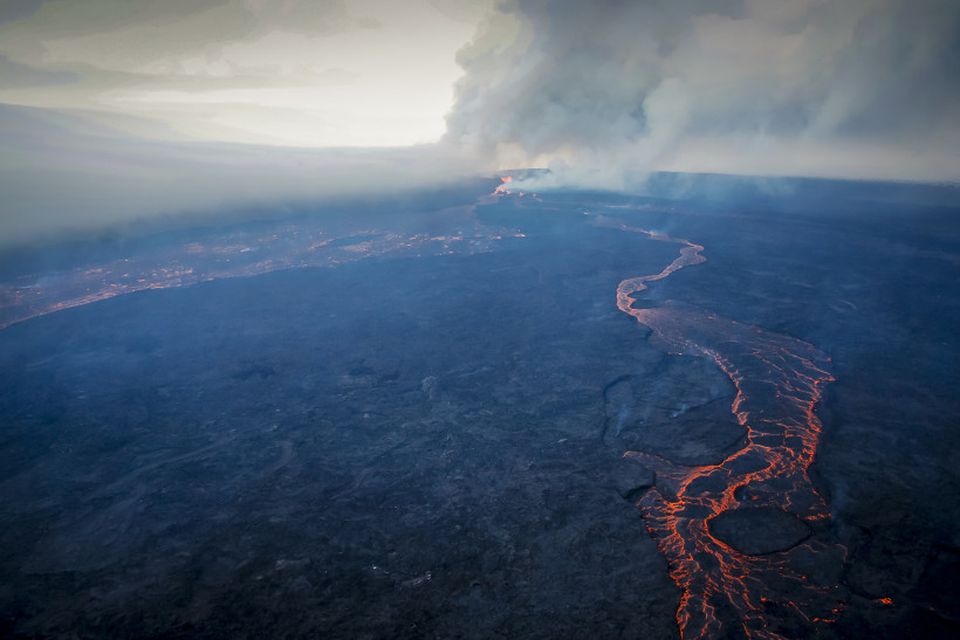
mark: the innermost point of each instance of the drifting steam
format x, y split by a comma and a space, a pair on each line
603, 92
64, 173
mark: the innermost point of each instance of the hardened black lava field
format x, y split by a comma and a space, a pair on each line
494, 416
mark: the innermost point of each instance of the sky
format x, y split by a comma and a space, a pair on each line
357, 73
114, 109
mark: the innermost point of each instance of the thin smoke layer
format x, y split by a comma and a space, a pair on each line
61, 173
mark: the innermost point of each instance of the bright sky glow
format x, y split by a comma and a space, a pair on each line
361, 73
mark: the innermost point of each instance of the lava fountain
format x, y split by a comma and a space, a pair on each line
504, 186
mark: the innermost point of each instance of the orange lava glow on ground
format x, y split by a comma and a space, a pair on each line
778, 381
235, 254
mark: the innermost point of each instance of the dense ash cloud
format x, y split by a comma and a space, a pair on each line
605, 91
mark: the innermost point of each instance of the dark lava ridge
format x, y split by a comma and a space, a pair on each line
758, 531
630, 478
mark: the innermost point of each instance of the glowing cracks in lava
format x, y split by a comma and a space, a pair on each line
778, 381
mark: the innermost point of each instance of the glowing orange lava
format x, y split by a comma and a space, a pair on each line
238, 253
778, 381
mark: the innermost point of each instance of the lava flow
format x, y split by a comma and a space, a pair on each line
726, 592
237, 252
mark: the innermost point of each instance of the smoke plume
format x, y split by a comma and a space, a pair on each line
603, 92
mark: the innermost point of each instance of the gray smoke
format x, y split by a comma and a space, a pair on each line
605, 91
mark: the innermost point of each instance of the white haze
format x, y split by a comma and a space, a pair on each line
64, 173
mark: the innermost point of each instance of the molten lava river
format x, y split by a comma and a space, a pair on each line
725, 591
